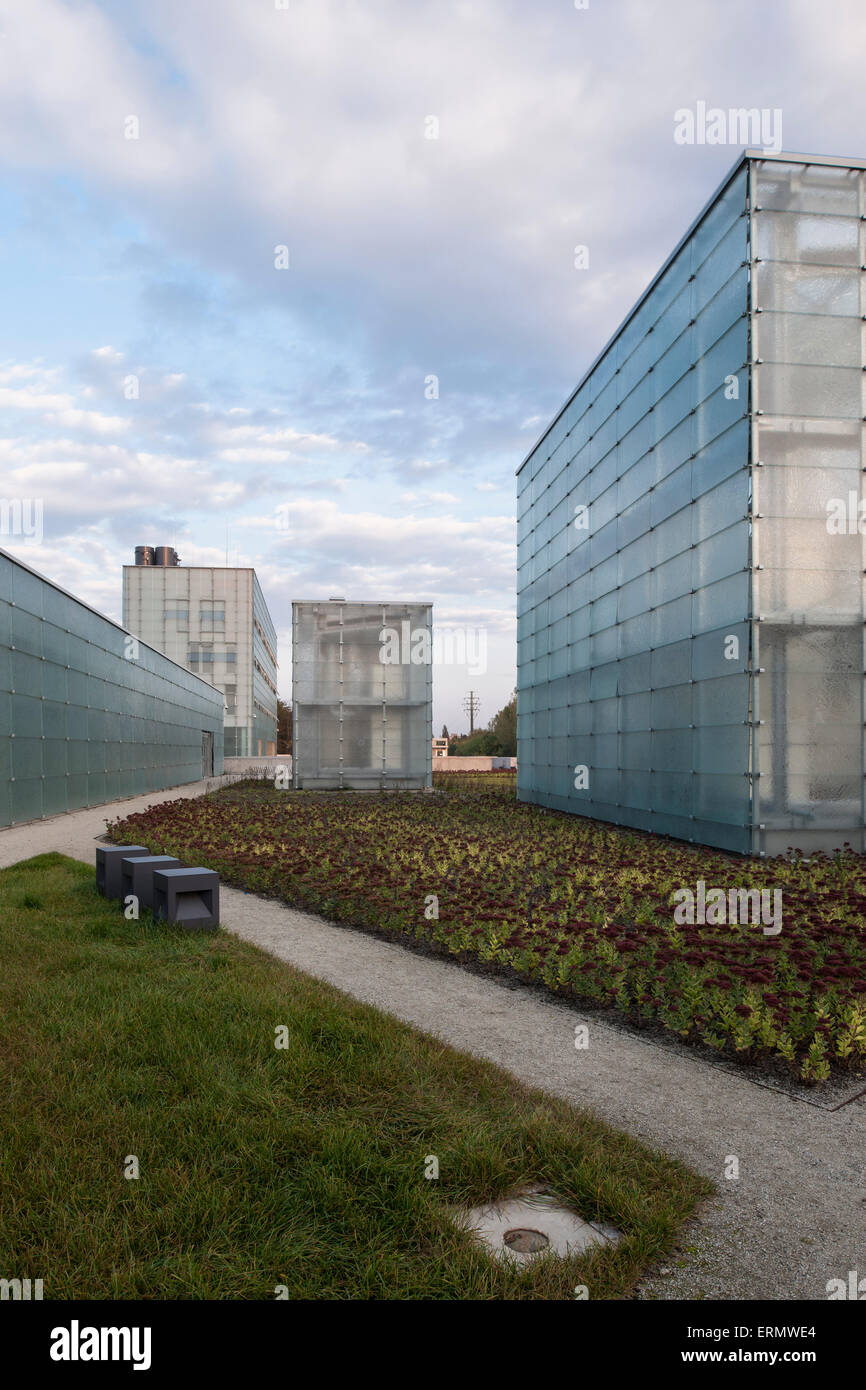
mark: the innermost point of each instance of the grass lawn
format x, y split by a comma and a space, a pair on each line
501, 780
262, 1166
585, 908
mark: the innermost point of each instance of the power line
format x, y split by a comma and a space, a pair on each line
471, 706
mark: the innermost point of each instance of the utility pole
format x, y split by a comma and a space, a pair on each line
471, 705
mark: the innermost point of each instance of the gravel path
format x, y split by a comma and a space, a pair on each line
793, 1219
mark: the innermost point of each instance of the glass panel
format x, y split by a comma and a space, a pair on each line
811, 339
821, 239
807, 188
813, 390
807, 289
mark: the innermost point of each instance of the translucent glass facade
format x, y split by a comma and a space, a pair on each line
85, 717
808, 302
690, 633
361, 694
215, 622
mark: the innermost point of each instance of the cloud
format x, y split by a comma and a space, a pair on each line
310, 125
29, 398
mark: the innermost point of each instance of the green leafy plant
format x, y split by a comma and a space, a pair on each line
584, 908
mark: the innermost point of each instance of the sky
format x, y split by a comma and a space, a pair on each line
297, 282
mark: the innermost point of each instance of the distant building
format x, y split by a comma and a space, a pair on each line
213, 621
361, 694
440, 748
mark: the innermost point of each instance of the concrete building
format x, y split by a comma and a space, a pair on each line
690, 535
213, 621
88, 712
362, 709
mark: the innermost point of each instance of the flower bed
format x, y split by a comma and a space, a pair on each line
583, 907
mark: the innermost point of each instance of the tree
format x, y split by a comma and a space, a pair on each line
445, 733
499, 739
503, 726
284, 727
480, 744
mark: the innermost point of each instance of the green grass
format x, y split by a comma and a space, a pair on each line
258, 1166
501, 781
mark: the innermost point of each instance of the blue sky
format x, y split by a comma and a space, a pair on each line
288, 406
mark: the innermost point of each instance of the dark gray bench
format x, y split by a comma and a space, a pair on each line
188, 897
137, 873
109, 866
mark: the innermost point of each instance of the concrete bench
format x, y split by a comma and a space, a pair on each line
137, 873
188, 897
109, 867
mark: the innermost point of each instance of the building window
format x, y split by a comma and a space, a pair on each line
264, 675
211, 656
212, 613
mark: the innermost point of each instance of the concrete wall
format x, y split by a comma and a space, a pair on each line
479, 764
258, 767
88, 713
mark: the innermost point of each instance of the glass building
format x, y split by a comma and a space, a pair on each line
690, 544
89, 714
215, 622
362, 710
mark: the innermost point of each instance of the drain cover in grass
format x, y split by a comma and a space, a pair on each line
522, 1227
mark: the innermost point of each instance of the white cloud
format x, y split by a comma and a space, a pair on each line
29, 398
90, 420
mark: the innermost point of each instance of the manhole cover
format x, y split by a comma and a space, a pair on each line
503, 1228
526, 1242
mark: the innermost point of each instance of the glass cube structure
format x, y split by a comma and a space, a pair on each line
690, 536
361, 694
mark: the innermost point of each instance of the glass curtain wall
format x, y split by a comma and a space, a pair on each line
633, 562
88, 714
